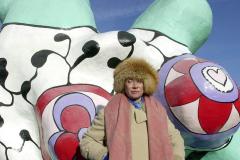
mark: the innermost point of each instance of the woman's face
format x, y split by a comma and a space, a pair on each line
133, 88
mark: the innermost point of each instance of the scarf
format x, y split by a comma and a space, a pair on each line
118, 129
137, 104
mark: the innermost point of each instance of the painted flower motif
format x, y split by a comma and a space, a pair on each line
206, 90
201, 100
72, 108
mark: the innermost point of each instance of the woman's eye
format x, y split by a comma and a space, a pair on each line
129, 81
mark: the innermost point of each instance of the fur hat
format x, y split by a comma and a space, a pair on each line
135, 68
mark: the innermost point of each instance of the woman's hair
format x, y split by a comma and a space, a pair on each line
135, 68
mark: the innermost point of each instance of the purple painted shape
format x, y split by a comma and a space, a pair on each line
81, 132
52, 142
207, 89
72, 99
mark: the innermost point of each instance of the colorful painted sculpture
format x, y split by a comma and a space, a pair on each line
56, 71
203, 102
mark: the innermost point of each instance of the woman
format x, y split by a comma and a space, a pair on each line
133, 125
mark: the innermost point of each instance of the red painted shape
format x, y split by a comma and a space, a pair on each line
66, 146
213, 115
75, 117
184, 66
185, 90
237, 103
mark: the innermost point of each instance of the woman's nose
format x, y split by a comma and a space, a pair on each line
135, 84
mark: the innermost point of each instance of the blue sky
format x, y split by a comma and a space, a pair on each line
222, 46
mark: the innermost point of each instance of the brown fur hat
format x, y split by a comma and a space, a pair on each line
135, 68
